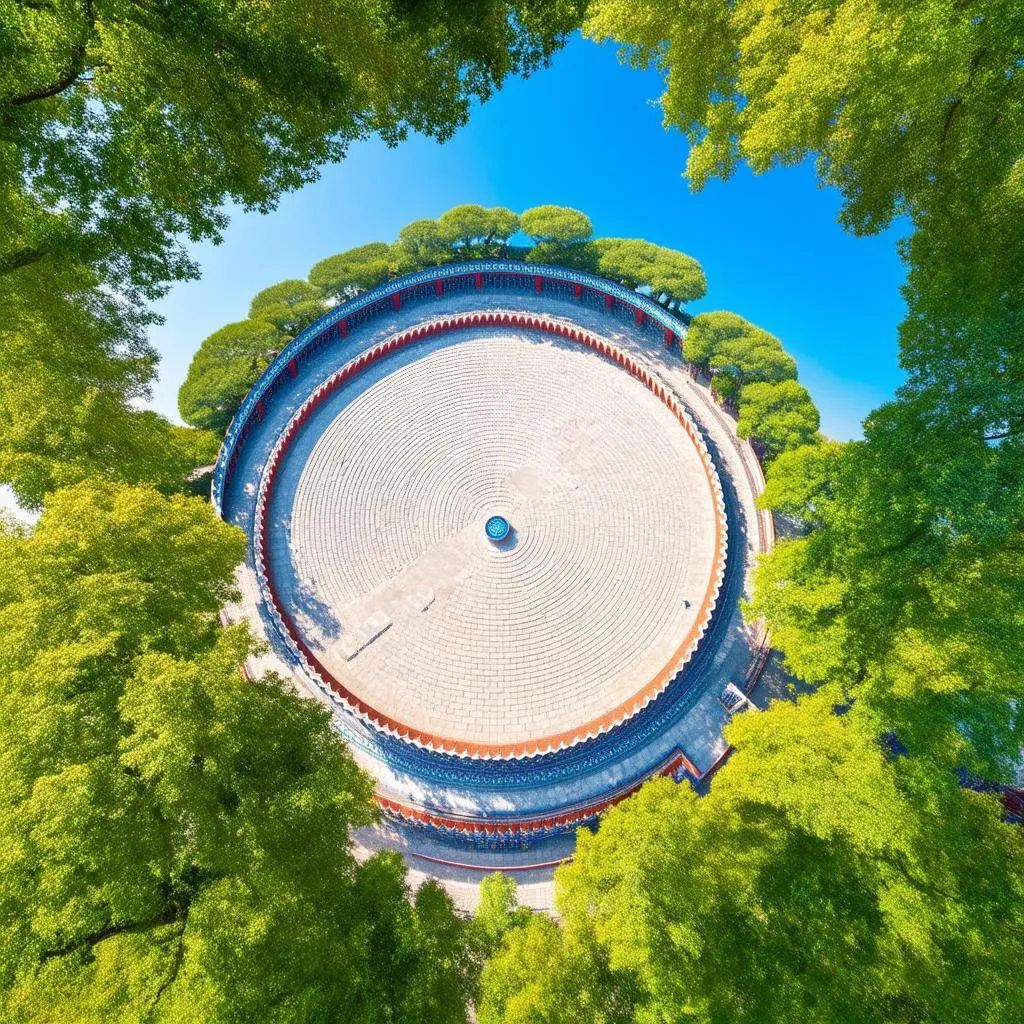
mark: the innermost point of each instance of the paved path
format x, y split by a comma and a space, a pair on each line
379, 537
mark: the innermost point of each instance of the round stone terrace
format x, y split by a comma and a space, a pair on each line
376, 543
455, 817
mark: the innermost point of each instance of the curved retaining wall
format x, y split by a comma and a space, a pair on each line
441, 767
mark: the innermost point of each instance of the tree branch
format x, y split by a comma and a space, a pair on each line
68, 78
21, 258
179, 957
168, 915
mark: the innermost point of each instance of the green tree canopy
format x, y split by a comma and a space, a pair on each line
290, 306
816, 881
708, 333
175, 840
104, 104
356, 270
504, 224
737, 352
466, 225
73, 364
222, 371
802, 482
780, 416
545, 973
558, 224
672, 276
475, 230
424, 244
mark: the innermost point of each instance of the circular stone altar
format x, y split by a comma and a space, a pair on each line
487, 527
499, 649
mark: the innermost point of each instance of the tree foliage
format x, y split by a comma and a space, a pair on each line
355, 270
471, 230
726, 342
104, 103
224, 368
175, 840
802, 482
558, 224
779, 416
73, 364
672, 276
290, 306
810, 884
423, 243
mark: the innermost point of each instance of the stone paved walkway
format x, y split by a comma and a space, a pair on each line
379, 543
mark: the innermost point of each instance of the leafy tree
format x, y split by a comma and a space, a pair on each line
423, 243
471, 229
544, 973
728, 343
708, 332
917, 615
223, 370
355, 270
672, 276
578, 256
104, 104
175, 840
820, 879
67, 410
290, 306
498, 911
556, 224
780, 416
726, 388
801, 482
465, 226
757, 356
504, 224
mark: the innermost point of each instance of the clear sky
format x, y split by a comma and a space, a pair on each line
586, 133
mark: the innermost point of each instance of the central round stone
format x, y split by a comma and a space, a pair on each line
497, 528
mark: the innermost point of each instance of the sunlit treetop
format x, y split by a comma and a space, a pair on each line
102, 105
560, 224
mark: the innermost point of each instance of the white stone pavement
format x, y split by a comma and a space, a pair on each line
378, 537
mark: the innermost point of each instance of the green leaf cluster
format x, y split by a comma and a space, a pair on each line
751, 372
821, 879
672, 276
174, 839
224, 368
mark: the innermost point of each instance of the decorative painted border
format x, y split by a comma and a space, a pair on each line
642, 305
536, 826
311, 665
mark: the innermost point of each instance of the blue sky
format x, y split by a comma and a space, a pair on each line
586, 133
